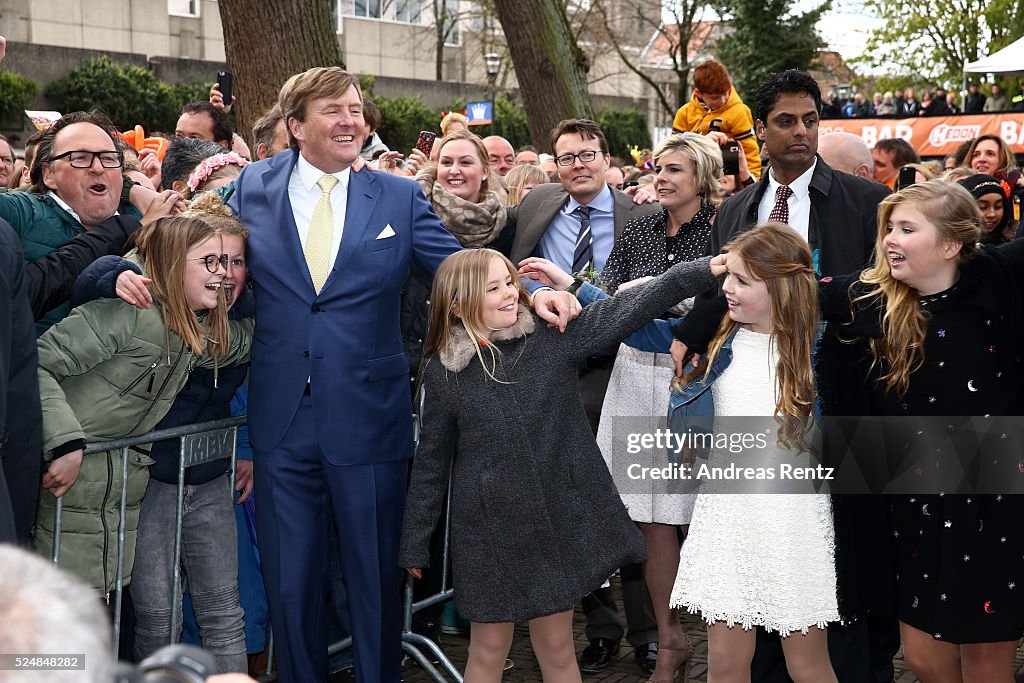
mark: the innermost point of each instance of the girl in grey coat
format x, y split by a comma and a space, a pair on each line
536, 521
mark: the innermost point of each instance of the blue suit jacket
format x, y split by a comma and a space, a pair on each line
347, 339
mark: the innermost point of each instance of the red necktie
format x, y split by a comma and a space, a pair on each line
780, 212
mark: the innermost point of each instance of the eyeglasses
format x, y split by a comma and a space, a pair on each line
586, 156
82, 159
211, 262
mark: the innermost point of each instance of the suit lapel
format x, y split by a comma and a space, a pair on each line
362, 198
275, 184
623, 208
546, 212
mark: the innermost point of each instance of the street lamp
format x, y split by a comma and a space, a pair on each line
492, 62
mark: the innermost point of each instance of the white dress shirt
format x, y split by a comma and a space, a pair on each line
304, 194
799, 202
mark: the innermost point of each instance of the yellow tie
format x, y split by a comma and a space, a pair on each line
321, 234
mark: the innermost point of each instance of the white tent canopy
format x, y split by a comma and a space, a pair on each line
1009, 61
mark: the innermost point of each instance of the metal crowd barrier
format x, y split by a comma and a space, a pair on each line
208, 441
200, 443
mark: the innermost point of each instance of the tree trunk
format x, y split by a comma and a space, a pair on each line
550, 67
266, 42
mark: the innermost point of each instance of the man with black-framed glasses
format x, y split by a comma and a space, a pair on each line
77, 209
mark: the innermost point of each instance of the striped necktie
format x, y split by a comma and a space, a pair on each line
583, 253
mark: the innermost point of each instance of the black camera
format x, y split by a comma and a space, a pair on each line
171, 664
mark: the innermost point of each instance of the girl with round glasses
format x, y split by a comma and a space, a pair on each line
110, 371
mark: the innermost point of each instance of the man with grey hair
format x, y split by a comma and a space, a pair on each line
45, 610
846, 152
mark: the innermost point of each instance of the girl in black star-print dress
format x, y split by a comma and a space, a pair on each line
937, 331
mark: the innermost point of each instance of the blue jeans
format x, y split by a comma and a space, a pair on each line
209, 560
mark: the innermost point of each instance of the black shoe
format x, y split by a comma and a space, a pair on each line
646, 657
597, 656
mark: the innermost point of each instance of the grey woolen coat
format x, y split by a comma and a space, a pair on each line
536, 520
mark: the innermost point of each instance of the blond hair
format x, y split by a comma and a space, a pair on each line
458, 301
481, 153
706, 157
775, 254
163, 245
517, 179
899, 352
1007, 161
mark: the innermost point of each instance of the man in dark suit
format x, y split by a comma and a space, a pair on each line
329, 417
836, 212
549, 223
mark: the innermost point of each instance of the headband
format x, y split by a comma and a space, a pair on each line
210, 164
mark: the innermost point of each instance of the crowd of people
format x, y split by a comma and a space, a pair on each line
525, 307
933, 102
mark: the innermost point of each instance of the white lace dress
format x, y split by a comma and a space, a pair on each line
757, 559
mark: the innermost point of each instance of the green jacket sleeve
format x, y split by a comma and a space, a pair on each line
91, 334
16, 210
238, 352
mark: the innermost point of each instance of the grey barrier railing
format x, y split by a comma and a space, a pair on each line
201, 442
217, 439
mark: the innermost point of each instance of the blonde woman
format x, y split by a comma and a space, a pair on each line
687, 172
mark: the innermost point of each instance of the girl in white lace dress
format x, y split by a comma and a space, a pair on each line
760, 559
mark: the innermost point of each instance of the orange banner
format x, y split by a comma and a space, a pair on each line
934, 136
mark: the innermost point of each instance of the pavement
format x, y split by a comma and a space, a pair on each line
623, 669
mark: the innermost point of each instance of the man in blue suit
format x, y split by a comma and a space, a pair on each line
329, 417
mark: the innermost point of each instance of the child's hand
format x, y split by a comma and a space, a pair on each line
718, 268
544, 272
417, 573
679, 351
62, 473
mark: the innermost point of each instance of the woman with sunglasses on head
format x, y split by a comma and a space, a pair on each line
110, 371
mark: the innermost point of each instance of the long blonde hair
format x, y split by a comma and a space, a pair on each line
460, 285
163, 245
777, 255
899, 352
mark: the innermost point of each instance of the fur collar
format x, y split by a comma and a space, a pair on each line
461, 349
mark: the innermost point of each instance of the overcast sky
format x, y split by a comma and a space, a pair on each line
845, 28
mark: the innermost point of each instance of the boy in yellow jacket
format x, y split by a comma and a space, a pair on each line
716, 105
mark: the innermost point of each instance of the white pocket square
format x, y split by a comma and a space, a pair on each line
388, 231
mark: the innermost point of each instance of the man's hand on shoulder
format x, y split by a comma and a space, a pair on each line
556, 308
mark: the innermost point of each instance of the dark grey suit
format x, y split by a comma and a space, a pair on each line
543, 203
